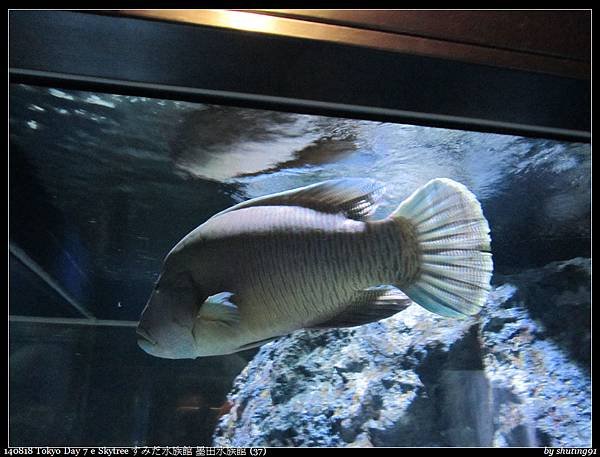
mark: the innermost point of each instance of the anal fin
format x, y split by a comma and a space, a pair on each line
369, 305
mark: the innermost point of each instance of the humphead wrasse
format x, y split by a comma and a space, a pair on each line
312, 258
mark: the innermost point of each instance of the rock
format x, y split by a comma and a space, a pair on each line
557, 296
536, 347
509, 377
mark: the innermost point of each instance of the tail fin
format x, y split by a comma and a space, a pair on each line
454, 246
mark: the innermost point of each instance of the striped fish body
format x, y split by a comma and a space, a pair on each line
312, 257
290, 267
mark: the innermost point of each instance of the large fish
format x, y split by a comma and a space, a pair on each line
311, 258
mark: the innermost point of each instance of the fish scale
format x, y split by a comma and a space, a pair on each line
299, 298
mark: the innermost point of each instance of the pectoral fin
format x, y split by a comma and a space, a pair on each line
367, 306
356, 198
219, 309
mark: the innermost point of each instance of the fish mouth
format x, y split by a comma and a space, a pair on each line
143, 335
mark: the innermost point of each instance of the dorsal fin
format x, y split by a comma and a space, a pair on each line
356, 198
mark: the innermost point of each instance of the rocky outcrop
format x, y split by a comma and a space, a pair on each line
516, 375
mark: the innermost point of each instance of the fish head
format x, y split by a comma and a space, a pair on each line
166, 323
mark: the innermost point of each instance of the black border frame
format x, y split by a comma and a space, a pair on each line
130, 55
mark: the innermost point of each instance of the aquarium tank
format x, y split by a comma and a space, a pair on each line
102, 186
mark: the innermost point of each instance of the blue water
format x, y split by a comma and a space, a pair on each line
102, 186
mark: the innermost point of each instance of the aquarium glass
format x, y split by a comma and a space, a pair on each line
102, 186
